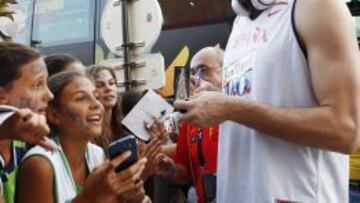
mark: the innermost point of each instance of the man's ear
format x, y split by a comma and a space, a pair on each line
53, 116
4, 96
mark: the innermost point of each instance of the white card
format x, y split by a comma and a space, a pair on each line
149, 107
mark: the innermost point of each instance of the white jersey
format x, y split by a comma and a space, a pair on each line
265, 63
65, 189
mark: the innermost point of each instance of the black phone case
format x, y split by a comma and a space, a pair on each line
120, 146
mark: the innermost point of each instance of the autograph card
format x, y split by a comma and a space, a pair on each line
149, 107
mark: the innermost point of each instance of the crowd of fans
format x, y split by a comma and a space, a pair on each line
80, 110
271, 119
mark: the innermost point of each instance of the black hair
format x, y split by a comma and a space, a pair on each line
126, 101
129, 100
57, 63
57, 82
12, 57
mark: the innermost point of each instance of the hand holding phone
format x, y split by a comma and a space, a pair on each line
122, 145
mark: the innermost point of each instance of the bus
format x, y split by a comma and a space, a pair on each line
73, 26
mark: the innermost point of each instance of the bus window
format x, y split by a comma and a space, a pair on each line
197, 12
61, 22
182, 17
187, 24
185, 13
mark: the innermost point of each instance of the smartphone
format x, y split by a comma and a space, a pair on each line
122, 145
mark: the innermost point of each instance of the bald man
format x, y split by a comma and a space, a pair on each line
196, 151
206, 70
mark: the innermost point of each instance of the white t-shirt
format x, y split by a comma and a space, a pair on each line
265, 63
65, 188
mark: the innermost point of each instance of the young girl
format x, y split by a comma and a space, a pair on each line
105, 81
69, 173
115, 109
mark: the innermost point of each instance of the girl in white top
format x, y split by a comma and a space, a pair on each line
76, 117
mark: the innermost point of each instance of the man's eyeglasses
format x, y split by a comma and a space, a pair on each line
199, 70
